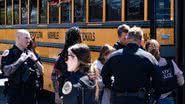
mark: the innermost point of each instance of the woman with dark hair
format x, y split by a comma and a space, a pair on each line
78, 88
104, 93
59, 73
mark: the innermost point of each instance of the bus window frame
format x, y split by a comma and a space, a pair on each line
144, 7
85, 14
106, 21
61, 14
123, 11
146, 10
20, 12
99, 22
172, 10
72, 7
12, 12
38, 12
28, 13
48, 12
37, 19
6, 22
4, 14
13, 23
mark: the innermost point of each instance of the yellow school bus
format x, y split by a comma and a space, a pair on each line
97, 19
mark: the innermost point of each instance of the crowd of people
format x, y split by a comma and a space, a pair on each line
126, 73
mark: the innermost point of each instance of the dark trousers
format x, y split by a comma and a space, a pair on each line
21, 96
119, 98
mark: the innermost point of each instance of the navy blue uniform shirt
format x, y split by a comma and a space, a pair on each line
83, 89
131, 67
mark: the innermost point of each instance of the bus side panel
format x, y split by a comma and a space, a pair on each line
165, 36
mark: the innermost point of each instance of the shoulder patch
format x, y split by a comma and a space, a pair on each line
5, 53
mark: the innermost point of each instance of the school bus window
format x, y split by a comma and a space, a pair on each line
80, 9
149, 9
33, 11
163, 9
2, 12
95, 10
43, 11
66, 11
16, 12
9, 12
24, 11
113, 10
134, 10
53, 14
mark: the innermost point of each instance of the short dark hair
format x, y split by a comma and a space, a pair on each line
123, 28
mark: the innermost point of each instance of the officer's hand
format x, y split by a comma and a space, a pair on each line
32, 55
57, 99
23, 57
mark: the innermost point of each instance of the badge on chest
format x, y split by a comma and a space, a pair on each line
67, 88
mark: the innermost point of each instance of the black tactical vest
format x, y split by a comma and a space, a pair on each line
169, 78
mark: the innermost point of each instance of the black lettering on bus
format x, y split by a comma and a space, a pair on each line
88, 36
53, 35
37, 35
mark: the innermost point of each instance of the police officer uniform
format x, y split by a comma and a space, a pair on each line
21, 83
78, 89
131, 68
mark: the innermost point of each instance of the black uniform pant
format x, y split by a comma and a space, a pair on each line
119, 98
24, 95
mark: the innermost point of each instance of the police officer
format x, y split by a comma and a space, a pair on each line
122, 32
19, 65
131, 68
59, 73
78, 88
